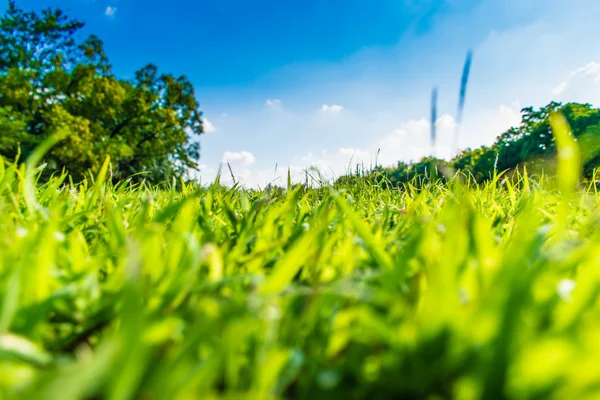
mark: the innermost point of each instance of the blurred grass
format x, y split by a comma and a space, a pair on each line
442, 291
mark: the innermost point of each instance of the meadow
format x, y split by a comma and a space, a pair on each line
436, 290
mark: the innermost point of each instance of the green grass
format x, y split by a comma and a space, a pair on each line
451, 291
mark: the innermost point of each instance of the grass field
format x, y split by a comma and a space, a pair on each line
450, 291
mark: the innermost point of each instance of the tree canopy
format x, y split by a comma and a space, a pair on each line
530, 145
53, 84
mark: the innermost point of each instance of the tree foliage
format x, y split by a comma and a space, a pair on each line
51, 83
530, 145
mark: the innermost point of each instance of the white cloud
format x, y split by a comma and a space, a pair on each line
408, 141
110, 11
411, 141
484, 126
208, 126
241, 158
592, 69
204, 174
390, 105
333, 108
583, 85
273, 102
557, 91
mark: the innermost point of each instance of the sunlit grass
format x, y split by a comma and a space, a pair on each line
451, 290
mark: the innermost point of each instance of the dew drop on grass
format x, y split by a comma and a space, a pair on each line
565, 288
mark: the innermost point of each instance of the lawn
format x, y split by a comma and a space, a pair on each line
437, 291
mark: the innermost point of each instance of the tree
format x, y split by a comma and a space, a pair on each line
51, 83
530, 144
532, 141
479, 163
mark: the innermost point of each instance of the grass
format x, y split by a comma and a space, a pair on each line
448, 291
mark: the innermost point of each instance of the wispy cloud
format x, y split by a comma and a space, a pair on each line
208, 126
582, 79
273, 102
384, 92
331, 108
241, 158
557, 91
387, 144
110, 11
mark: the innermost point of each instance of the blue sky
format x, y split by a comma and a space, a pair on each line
324, 83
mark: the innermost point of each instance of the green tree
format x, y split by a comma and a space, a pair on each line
51, 83
532, 142
479, 163
529, 144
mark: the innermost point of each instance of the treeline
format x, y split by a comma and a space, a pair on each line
529, 145
52, 84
